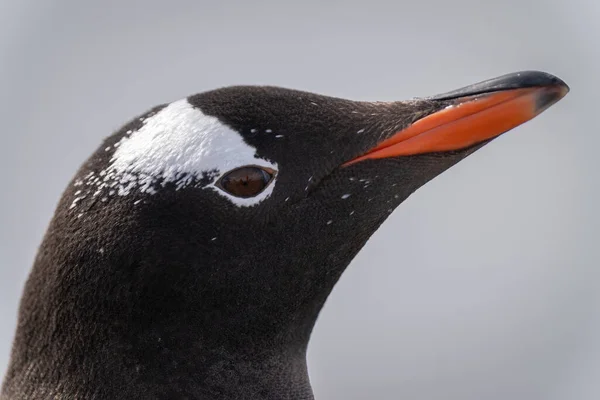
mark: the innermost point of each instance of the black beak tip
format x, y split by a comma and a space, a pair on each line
516, 80
550, 95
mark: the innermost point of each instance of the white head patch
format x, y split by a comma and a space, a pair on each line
180, 145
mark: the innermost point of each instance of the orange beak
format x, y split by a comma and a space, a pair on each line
469, 120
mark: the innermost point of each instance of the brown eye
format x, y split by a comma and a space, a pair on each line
246, 181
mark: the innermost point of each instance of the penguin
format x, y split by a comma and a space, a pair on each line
191, 254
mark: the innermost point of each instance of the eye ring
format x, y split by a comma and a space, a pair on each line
247, 181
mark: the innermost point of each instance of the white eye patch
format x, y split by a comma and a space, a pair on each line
180, 145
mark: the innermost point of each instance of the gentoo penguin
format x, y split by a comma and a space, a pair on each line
192, 252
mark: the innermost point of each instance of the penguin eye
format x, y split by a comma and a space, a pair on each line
246, 181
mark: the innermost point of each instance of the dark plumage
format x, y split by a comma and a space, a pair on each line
184, 294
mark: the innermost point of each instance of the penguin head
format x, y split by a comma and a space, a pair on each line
238, 209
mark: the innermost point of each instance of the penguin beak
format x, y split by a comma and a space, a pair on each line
474, 114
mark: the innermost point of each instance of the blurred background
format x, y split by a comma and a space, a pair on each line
483, 285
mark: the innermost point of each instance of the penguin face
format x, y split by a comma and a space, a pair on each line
244, 205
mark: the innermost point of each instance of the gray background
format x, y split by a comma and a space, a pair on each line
483, 285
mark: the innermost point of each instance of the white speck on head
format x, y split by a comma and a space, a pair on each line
107, 149
136, 202
74, 203
101, 250
361, 131
287, 198
329, 222
253, 130
278, 136
268, 131
354, 112
79, 215
352, 213
313, 103
352, 179
344, 197
213, 239
177, 145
